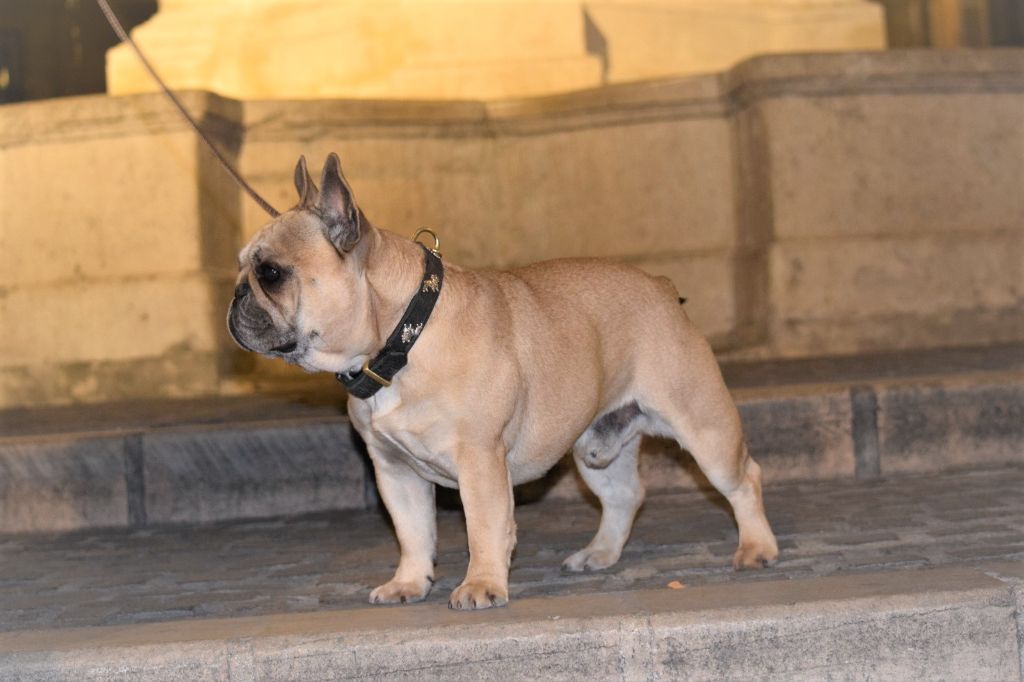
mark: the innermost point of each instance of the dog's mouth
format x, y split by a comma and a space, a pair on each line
242, 339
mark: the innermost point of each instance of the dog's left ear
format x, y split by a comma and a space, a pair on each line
337, 207
309, 195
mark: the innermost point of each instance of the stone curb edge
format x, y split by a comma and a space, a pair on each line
933, 623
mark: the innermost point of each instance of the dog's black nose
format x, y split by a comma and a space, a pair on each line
242, 289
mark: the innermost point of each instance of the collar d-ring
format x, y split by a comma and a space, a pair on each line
437, 240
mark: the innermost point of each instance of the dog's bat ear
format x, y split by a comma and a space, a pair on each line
309, 195
337, 207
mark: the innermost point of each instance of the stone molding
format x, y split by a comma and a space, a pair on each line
765, 77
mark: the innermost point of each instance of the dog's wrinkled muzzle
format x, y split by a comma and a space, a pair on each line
253, 329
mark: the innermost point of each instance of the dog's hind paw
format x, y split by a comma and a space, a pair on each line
590, 560
755, 556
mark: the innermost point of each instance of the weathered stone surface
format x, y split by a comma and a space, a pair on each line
198, 475
1013, 573
477, 50
61, 483
176, 373
326, 563
952, 632
92, 321
852, 295
214, 459
912, 625
850, 164
786, 197
933, 427
805, 436
114, 271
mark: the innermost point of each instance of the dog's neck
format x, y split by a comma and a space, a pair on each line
394, 271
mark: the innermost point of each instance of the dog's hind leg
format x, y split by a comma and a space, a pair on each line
704, 420
621, 493
724, 459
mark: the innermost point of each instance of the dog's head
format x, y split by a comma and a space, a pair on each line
301, 293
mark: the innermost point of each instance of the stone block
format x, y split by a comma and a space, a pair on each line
804, 435
891, 159
144, 167
62, 484
56, 228
569, 188
131, 319
652, 187
491, 80
423, 49
195, 475
388, 47
177, 373
845, 296
932, 426
643, 38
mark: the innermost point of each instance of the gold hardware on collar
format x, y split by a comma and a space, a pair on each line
431, 283
373, 375
437, 240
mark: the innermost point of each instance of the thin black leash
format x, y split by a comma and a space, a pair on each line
225, 164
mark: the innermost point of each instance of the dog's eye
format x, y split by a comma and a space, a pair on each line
268, 273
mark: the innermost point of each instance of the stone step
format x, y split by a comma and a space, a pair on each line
901, 577
950, 623
198, 461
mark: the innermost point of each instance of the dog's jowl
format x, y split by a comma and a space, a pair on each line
579, 355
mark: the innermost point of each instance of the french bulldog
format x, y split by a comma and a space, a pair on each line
508, 371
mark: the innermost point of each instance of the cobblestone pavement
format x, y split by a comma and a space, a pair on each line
331, 562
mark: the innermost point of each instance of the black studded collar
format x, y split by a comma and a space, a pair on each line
378, 371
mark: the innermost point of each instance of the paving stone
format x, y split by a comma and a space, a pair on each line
331, 561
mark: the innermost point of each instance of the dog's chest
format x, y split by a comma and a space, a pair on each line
401, 432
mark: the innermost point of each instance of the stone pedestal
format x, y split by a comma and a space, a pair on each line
470, 49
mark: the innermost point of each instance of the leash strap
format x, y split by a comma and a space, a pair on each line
381, 369
225, 164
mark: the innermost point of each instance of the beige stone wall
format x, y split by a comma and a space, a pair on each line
806, 205
893, 199
117, 244
470, 49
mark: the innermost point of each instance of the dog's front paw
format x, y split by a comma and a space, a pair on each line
590, 560
401, 591
478, 594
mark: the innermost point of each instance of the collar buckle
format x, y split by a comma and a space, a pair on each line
373, 375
